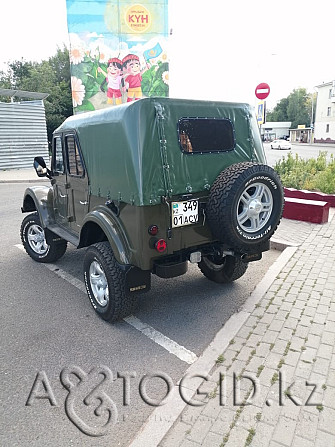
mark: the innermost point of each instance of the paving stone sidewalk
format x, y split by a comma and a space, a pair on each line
287, 349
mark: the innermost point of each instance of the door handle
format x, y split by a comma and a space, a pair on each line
62, 196
83, 203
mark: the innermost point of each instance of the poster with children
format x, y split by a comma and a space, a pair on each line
118, 51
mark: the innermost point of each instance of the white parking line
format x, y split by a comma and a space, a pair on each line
165, 342
66, 276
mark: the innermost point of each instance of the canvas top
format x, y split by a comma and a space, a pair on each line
133, 152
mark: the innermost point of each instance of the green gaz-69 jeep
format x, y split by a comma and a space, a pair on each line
149, 186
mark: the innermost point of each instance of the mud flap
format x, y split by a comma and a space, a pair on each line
256, 253
137, 280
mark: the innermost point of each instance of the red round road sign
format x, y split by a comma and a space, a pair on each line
262, 90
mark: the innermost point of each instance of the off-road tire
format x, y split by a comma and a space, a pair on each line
226, 270
233, 193
119, 302
32, 234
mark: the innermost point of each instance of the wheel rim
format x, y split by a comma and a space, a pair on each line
209, 261
254, 207
36, 239
99, 284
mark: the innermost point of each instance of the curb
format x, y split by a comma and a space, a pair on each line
277, 244
24, 181
163, 418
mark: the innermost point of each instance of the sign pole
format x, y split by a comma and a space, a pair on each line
262, 91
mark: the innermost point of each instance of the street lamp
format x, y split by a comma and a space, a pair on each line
312, 117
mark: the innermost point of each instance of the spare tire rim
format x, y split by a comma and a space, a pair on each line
99, 284
254, 208
36, 239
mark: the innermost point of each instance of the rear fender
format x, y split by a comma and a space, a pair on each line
40, 199
101, 224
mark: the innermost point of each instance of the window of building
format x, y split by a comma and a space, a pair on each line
329, 111
327, 128
206, 135
330, 93
75, 165
58, 161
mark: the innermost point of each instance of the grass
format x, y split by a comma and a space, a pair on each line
220, 359
259, 370
287, 348
251, 434
315, 174
274, 378
287, 392
213, 394
281, 363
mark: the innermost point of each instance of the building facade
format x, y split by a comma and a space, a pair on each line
272, 130
324, 127
302, 134
23, 131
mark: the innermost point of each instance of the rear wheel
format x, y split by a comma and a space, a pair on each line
222, 270
105, 282
41, 244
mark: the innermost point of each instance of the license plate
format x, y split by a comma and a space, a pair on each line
185, 213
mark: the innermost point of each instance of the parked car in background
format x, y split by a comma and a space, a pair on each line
281, 144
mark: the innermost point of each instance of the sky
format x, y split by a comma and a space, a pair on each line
218, 50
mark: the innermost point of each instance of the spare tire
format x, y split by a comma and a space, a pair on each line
245, 205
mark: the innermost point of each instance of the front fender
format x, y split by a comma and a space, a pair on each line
40, 199
108, 223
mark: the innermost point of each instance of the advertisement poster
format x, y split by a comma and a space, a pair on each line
118, 51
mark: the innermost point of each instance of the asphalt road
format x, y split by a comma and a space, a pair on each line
48, 325
305, 151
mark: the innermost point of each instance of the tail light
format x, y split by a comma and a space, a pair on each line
153, 230
160, 245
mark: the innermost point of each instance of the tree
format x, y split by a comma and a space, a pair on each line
51, 76
297, 108
280, 111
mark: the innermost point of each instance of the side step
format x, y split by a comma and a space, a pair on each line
74, 240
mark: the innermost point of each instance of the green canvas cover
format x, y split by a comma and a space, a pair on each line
132, 152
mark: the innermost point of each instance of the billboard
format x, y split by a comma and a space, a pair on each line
118, 51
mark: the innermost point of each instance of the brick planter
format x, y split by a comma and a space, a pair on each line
310, 195
314, 211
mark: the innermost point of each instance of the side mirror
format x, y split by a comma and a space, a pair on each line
41, 168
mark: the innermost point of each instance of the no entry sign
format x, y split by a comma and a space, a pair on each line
262, 90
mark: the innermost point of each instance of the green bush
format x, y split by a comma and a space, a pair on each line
313, 174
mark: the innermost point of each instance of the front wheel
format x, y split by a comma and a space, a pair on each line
41, 244
222, 270
105, 282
